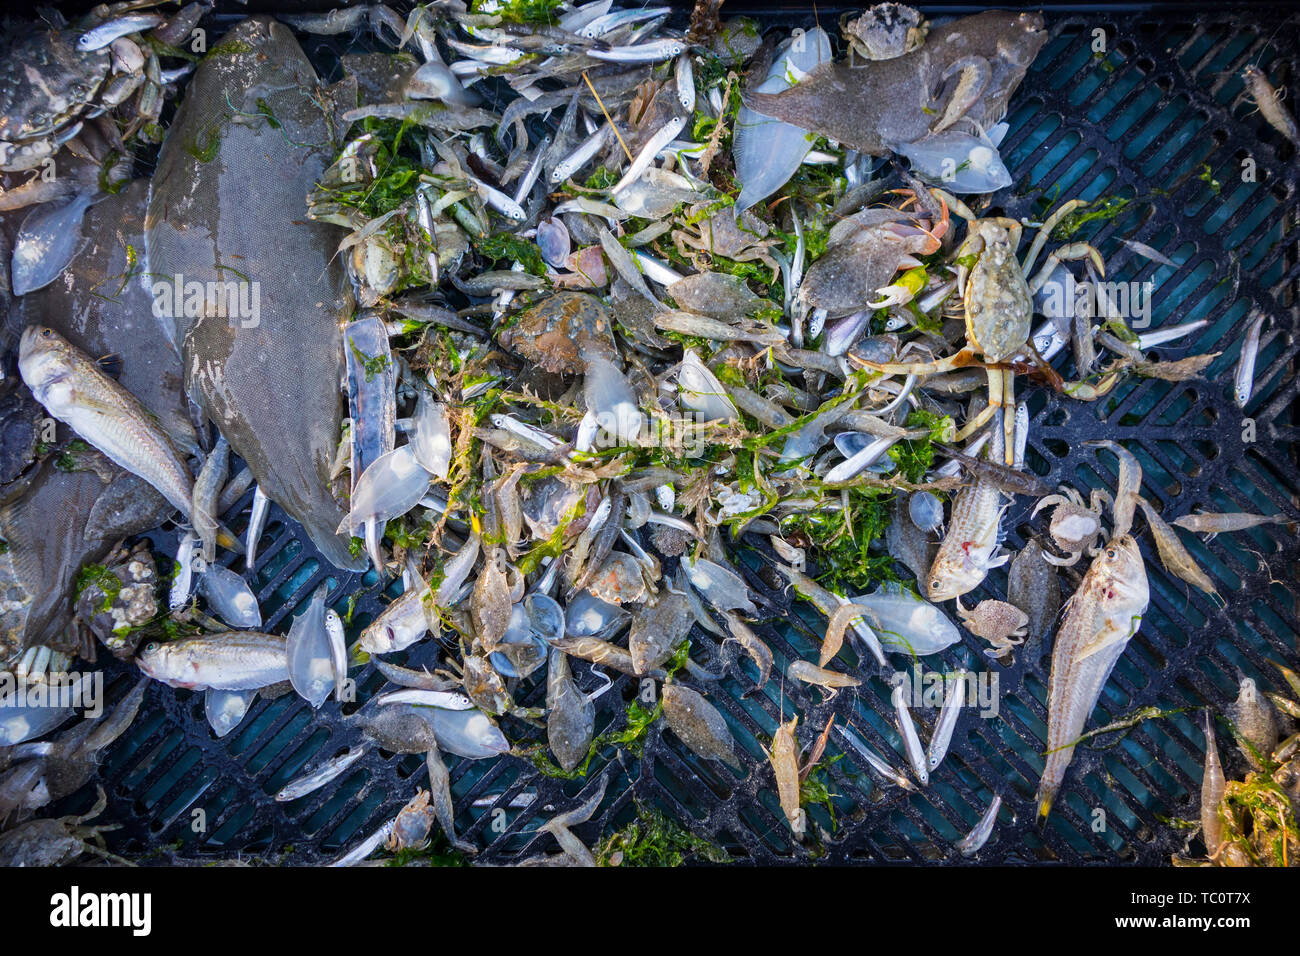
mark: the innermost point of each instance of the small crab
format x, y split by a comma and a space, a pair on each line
997, 622
885, 31
997, 302
1074, 527
55, 841
484, 686
558, 330
50, 81
412, 824
740, 238
46, 84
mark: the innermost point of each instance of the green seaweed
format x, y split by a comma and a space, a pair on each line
519, 11
655, 839
96, 575
206, 151
70, 460
372, 365
843, 538
1103, 210
504, 247
914, 456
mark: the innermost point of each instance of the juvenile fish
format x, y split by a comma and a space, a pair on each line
1244, 381
874, 760
49, 239
400, 625
971, 843
235, 660
909, 624
658, 141
74, 390
101, 36
1100, 620
911, 742
947, 723
183, 584
256, 522
311, 668
207, 487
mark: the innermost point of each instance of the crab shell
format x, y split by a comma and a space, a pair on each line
886, 30
412, 825
46, 83
557, 331
995, 621
1073, 527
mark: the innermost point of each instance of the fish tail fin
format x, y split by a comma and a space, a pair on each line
1046, 797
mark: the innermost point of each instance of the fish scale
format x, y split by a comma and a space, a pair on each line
894, 826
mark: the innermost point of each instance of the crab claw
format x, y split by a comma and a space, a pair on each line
893, 295
1068, 561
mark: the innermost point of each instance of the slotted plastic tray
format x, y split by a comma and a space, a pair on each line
1157, 118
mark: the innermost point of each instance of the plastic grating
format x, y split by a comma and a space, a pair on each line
1158, 118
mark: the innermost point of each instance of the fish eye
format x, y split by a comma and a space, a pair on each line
1110, 553
151, 647
47, 333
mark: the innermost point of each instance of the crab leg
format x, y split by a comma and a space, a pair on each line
966, 356
1008, 401
953, 203
1045, 230
1071, 253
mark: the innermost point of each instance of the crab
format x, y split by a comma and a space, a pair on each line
55, 841
377, 247
740, 238
997, 302
412, 824
886, 31
557, 331
997, 622
1075, 527
49, 83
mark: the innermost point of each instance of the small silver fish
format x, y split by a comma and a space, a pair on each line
911, 742
1243, 384
101, 36
971, 843
235, 660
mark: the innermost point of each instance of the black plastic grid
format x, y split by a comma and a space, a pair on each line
1144, 120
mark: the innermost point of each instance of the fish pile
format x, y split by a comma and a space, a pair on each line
576, 324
